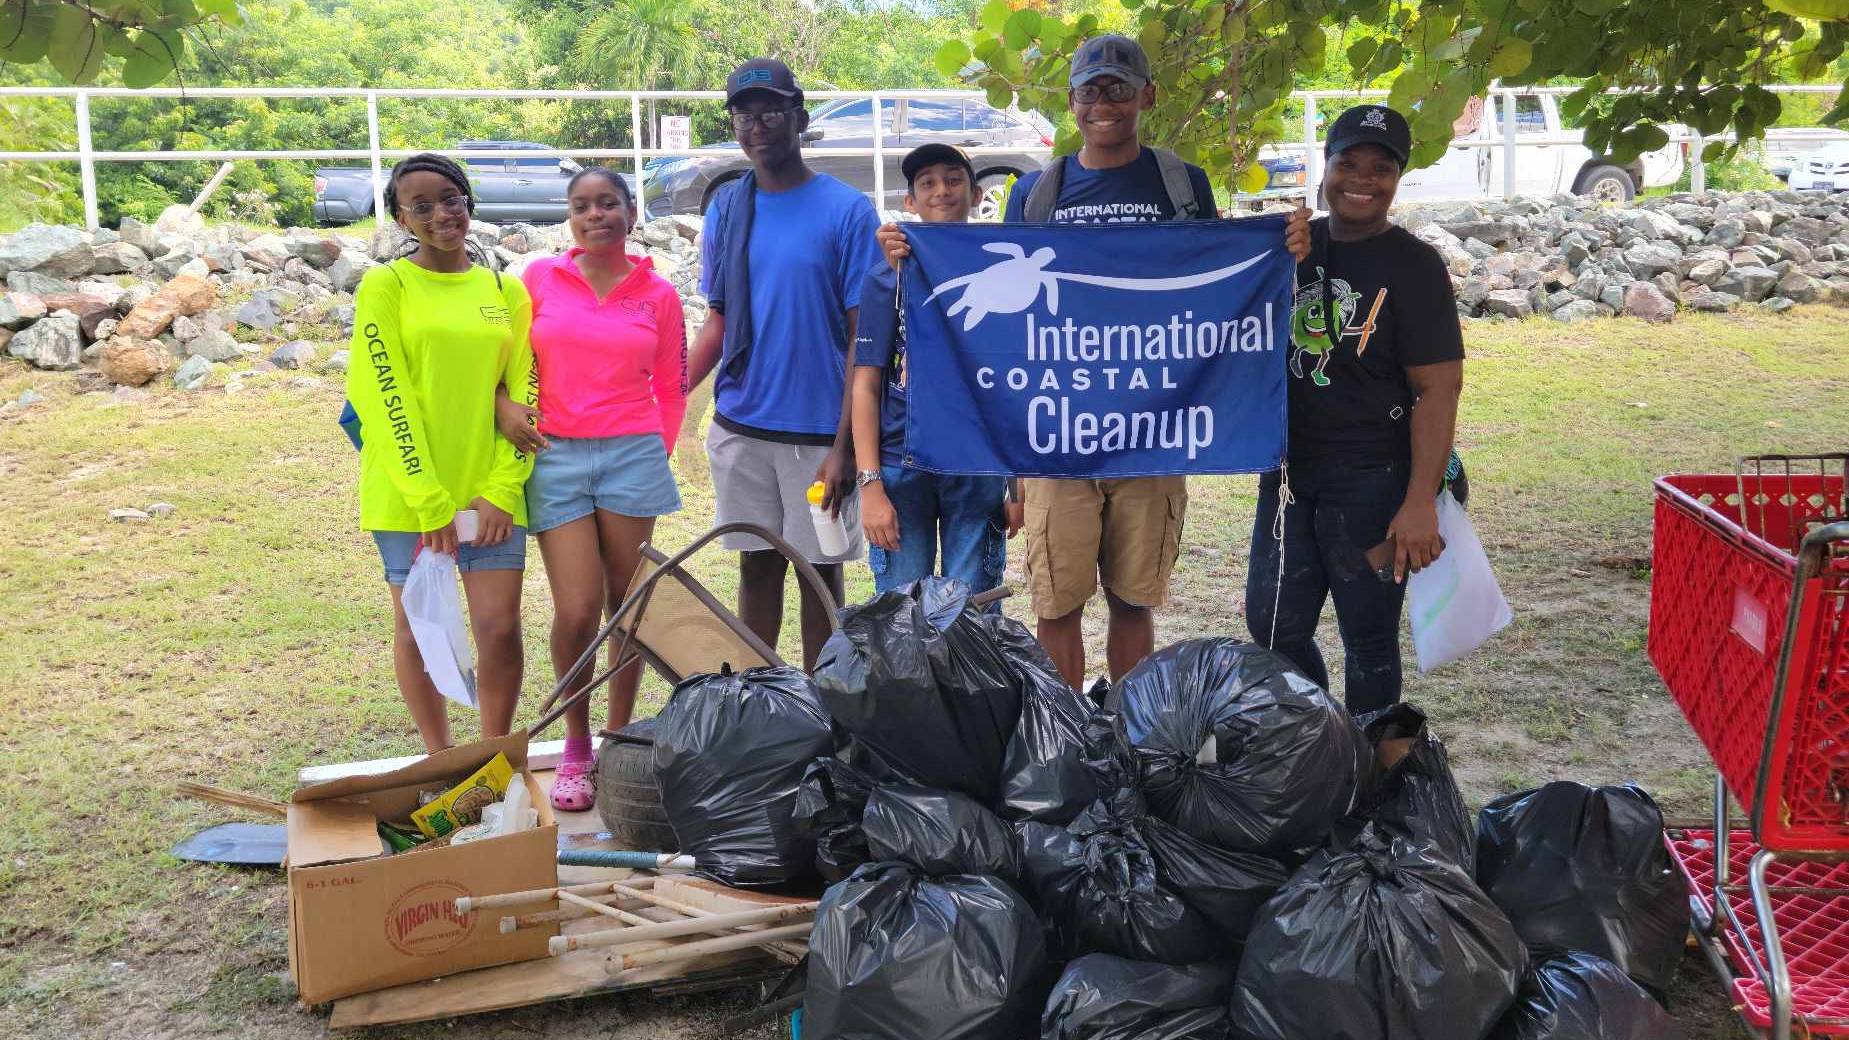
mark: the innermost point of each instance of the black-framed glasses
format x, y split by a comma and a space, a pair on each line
769, 120
1118, 92
449, 204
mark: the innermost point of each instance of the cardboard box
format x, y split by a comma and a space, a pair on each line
360, 919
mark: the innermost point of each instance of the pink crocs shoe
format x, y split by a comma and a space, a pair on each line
573, 789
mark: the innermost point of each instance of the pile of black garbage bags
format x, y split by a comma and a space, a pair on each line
1223, 854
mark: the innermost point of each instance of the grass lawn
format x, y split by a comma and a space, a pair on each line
247, 634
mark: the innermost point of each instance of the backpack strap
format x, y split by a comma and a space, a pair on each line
1177, 183
1038, 209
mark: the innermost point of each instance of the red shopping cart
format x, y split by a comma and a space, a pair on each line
1749, 628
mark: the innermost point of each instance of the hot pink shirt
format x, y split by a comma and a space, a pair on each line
607, 367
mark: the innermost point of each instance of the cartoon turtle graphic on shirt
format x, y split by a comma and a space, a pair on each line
1309, 326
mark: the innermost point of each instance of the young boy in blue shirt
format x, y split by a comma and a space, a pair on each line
914, 519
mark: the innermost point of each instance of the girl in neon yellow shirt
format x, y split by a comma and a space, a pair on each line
433, 335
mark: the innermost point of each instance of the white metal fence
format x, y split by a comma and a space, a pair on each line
86, 156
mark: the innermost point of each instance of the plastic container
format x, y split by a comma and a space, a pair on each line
829, 530
513, 813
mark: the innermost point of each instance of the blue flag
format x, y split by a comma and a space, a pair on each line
1096, 350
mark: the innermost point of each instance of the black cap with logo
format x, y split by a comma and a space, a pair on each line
926, 155
766, 74
1370, 124
1110, 55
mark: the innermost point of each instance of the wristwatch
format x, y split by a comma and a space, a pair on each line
863, 477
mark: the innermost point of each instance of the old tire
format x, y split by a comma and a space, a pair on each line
1608, 184
626, 795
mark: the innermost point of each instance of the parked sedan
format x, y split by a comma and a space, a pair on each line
686, 184
1826, 169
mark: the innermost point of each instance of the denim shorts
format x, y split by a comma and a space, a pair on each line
626, 475
398, 548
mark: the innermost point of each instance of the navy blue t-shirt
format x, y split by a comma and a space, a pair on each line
1132, 193
810, 250
880, 343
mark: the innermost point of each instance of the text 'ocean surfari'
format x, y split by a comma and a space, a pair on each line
1096, 350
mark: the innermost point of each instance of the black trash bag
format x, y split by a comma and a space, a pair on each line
1097, 885
730, 751
1044, 776
1227, 888
1582, 997
1583, 869
939, 832
1410, 790
1239, 749
1101, 997
916, 678
895, 954
829, 804
1387, 941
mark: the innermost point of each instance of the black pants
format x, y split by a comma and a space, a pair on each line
1340, 512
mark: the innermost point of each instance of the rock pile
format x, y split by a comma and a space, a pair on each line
134, 304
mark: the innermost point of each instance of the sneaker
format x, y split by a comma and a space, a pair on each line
572, 787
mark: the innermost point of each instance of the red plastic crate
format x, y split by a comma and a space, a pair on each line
1813, 929
1720, 596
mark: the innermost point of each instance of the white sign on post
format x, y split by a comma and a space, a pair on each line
676, 132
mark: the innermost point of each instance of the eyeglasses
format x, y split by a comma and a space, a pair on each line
771, 120
450, 204
1118, 92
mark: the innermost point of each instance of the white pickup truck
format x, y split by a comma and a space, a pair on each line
1540, 168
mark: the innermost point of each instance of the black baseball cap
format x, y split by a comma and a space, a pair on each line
762, 74
934, 155
1110, 55
1370, 124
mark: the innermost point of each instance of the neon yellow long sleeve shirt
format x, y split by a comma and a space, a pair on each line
428, 350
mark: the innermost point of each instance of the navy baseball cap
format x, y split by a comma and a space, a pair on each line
936, 154
762, 74
1370, 124
1110, 55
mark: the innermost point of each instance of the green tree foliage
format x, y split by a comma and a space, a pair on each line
142, 41
1224, 67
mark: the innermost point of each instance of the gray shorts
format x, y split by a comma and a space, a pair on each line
767, 483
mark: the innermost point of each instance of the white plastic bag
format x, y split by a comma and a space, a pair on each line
1456, 604
434, 608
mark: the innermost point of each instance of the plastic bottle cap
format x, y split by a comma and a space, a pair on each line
816, 493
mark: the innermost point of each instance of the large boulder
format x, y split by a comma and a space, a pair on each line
18, 310
1712, 301
1575, 311
38, 283
141, 236
1647, 300
1510, 303
1647, 259
90, 310
183, 295
347, 270
62, 252
215, 346
179, 219
263, 310
1748, 283
118, 258
134, 362
193, 373
55, 342
317, 252
294, 354
1801, 288
1809, 230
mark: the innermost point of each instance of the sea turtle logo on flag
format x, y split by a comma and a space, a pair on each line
1013, 285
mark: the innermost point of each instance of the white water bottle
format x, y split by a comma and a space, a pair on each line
830, 532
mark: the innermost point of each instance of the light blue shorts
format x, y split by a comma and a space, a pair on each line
626, 475
399, 548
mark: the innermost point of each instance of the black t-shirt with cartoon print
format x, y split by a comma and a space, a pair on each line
1397, 309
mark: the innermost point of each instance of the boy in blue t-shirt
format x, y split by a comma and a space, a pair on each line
783, 252
913, 518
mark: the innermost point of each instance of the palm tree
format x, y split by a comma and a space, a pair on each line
639, 44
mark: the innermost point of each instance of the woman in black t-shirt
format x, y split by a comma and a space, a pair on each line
1374, 332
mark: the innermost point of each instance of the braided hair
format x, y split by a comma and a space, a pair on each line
616, 181
451, 171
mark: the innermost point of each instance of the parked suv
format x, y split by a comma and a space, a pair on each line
686, 185
529, 184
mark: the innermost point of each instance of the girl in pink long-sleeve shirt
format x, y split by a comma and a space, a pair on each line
611, 352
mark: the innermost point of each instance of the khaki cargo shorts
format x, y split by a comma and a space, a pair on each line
1125, 533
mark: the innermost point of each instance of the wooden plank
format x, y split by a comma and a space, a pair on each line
544, 754
578, 974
